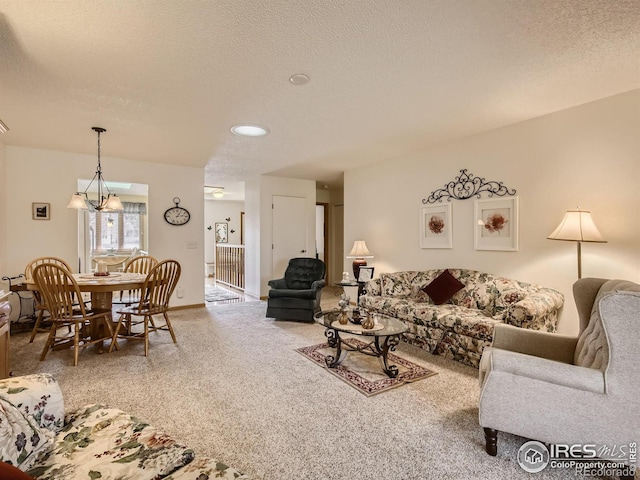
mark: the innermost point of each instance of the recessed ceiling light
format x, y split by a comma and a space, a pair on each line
249, 130
299, 79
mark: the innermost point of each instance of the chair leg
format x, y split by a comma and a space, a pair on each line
147, 320
491, 441
114, 337
37, 325
49, 342
173, 336
76, 343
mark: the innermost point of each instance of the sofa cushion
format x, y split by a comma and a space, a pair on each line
203, 468
443, 287
21, 439
397, 284
102, 442
38, 395
508, 292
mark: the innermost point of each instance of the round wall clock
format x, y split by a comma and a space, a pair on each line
177, 215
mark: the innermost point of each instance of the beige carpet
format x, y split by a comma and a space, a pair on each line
235, 388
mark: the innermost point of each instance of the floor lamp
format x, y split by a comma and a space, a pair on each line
577, 226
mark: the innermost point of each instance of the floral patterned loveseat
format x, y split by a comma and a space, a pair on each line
92, 442
463, 326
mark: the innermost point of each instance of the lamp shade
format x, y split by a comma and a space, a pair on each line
77, 201
113, 203
359, 250
577, 226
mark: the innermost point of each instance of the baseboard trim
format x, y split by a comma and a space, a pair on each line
185, 307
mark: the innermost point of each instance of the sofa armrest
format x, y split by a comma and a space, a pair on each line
317, 285
277, 283
551, 346
548, 371
538, 310
37, 395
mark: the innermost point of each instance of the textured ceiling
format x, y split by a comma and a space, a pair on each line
168, 78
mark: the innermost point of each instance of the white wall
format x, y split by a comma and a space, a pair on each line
587, 156
253, 252
259, 192
3, 217
216, 211
46, 176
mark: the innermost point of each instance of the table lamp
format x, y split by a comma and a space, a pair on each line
359, 252
577, 226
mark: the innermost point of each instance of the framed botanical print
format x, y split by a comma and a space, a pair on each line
496, 224
436, 226
40, 211
222, 232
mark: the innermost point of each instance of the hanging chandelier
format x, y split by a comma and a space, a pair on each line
106, 201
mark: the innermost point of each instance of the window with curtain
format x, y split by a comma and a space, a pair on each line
119, 232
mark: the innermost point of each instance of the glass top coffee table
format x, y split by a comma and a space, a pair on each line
384, 337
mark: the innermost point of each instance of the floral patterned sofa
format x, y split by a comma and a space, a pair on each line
463, 326
92, 442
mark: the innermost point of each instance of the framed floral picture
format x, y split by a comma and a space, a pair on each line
496, 224
222, 232
436, 226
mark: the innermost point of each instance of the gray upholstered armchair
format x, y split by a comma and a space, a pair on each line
568, 390
297, 295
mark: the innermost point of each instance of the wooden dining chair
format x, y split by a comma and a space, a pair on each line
40, 308
59, 290
139, 264
160, 283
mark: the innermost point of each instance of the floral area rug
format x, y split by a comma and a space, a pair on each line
363, 372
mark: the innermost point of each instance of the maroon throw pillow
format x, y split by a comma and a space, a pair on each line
10, 472
443, 287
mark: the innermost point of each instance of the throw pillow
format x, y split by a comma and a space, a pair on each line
443, 287
22, 439
9, 471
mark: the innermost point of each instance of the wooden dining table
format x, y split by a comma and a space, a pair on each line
101, 289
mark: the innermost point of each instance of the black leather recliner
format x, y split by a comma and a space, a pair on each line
297, 295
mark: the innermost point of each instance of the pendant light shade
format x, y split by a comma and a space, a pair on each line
106, 200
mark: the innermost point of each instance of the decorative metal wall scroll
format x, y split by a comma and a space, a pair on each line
466, 186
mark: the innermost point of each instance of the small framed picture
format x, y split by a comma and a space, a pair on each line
496, 224
41, 211
435, 226
222, 232
366, 274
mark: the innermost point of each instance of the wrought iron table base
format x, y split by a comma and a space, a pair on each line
379, 347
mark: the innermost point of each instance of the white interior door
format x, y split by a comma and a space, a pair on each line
289, 231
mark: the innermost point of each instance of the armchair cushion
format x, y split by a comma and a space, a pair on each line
548, 371
302, 272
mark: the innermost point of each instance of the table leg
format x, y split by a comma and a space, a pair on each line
334, 341
101, 301
389, 344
